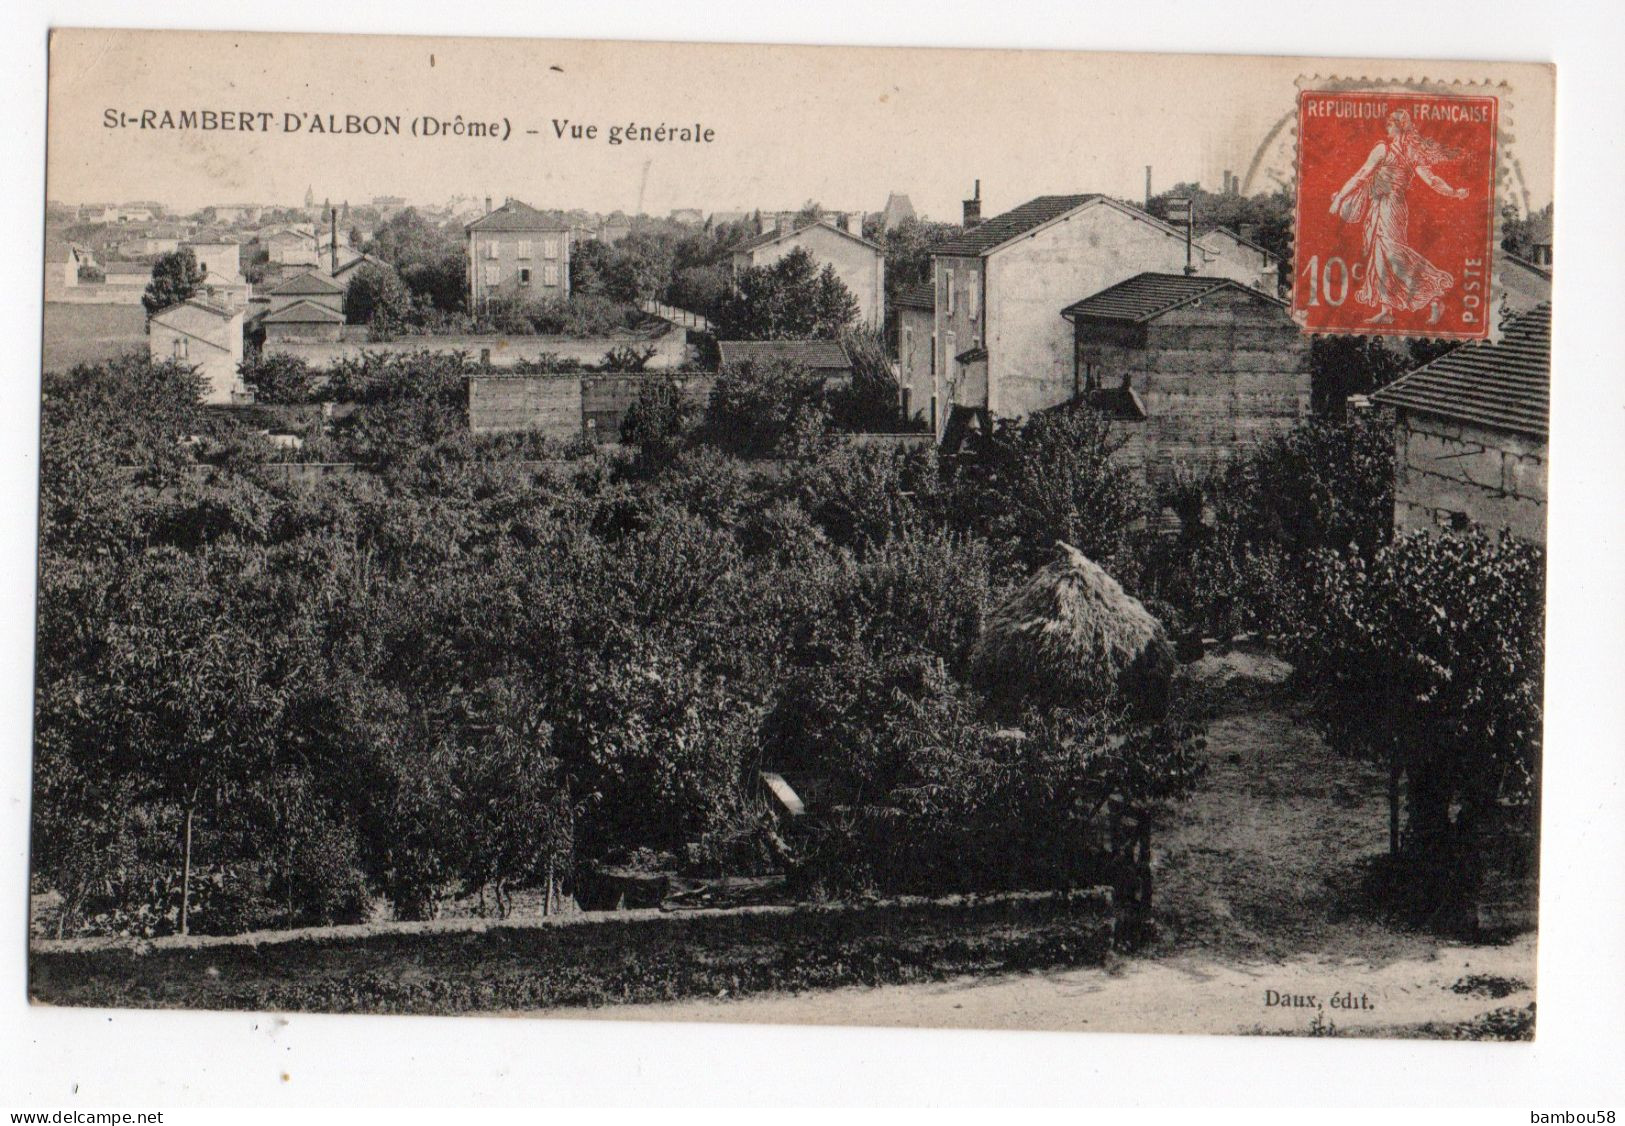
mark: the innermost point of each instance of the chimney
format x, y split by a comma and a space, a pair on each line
333, 240
1228, 190
973, 208
488, 205
1148, 185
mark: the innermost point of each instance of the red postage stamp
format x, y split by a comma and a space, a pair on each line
1395, 213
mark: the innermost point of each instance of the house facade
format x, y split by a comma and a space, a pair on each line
309, 287
516, 251
859, 263
1197, 370
1002, 349
914, 317
221, 259
1244, 253
1470, 434
205, 336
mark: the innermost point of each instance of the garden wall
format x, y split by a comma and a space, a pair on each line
563, 406
671, 349
595, 959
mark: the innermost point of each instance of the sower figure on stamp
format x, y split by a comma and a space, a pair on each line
1397, 276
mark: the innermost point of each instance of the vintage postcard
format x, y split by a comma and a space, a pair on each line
1000, 539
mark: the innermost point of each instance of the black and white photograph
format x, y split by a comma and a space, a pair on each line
870, 537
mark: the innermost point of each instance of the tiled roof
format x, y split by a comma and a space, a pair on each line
820, 355
768, 237
196, 303
1145, 296
1505, 384
1002, 228
308, 282
515, 216
303, 312
1539, 271
921, 295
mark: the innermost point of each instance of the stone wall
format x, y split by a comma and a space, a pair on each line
1449, 473
563, 406
671, 349
1217, 379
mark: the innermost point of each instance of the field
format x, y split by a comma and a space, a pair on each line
82, 334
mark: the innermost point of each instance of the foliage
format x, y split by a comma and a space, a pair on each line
656, 421
376, 296
176, 276
1054, 477
279, 378
757, 409
871, 400
463, 673
790, 299
1429, 655
1341, 366
1243, 557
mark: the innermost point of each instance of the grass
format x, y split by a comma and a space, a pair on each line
85, 334
626, 957
1270, 858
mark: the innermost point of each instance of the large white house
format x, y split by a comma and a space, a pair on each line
999, 343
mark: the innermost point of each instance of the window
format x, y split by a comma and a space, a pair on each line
973, 296
524, 248
550, 273
933, 353
948, 349
493, 275
550, 247
948, 291
908, 348
524, 275
180, 347
492, 250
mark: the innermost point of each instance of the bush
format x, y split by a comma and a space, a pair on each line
279, 378
656, 421
1051, 478
1429, 657
760, 409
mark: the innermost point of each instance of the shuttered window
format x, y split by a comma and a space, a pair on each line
550, 273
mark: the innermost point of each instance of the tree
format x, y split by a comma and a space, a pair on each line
655, 423
279, 378
1430, 658
757, 408
175, 278
790, 299
1054, 477
376, 296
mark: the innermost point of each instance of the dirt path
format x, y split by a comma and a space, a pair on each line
1257, 889
1176, 994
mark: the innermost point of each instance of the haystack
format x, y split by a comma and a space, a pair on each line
1071, 635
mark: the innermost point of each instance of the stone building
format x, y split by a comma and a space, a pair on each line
1197, 370
516, 251
859, 263
1001, 350
205, 336
1470, 432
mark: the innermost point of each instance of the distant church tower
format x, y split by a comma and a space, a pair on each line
310, 198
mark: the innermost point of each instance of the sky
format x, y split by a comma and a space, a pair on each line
842, 126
